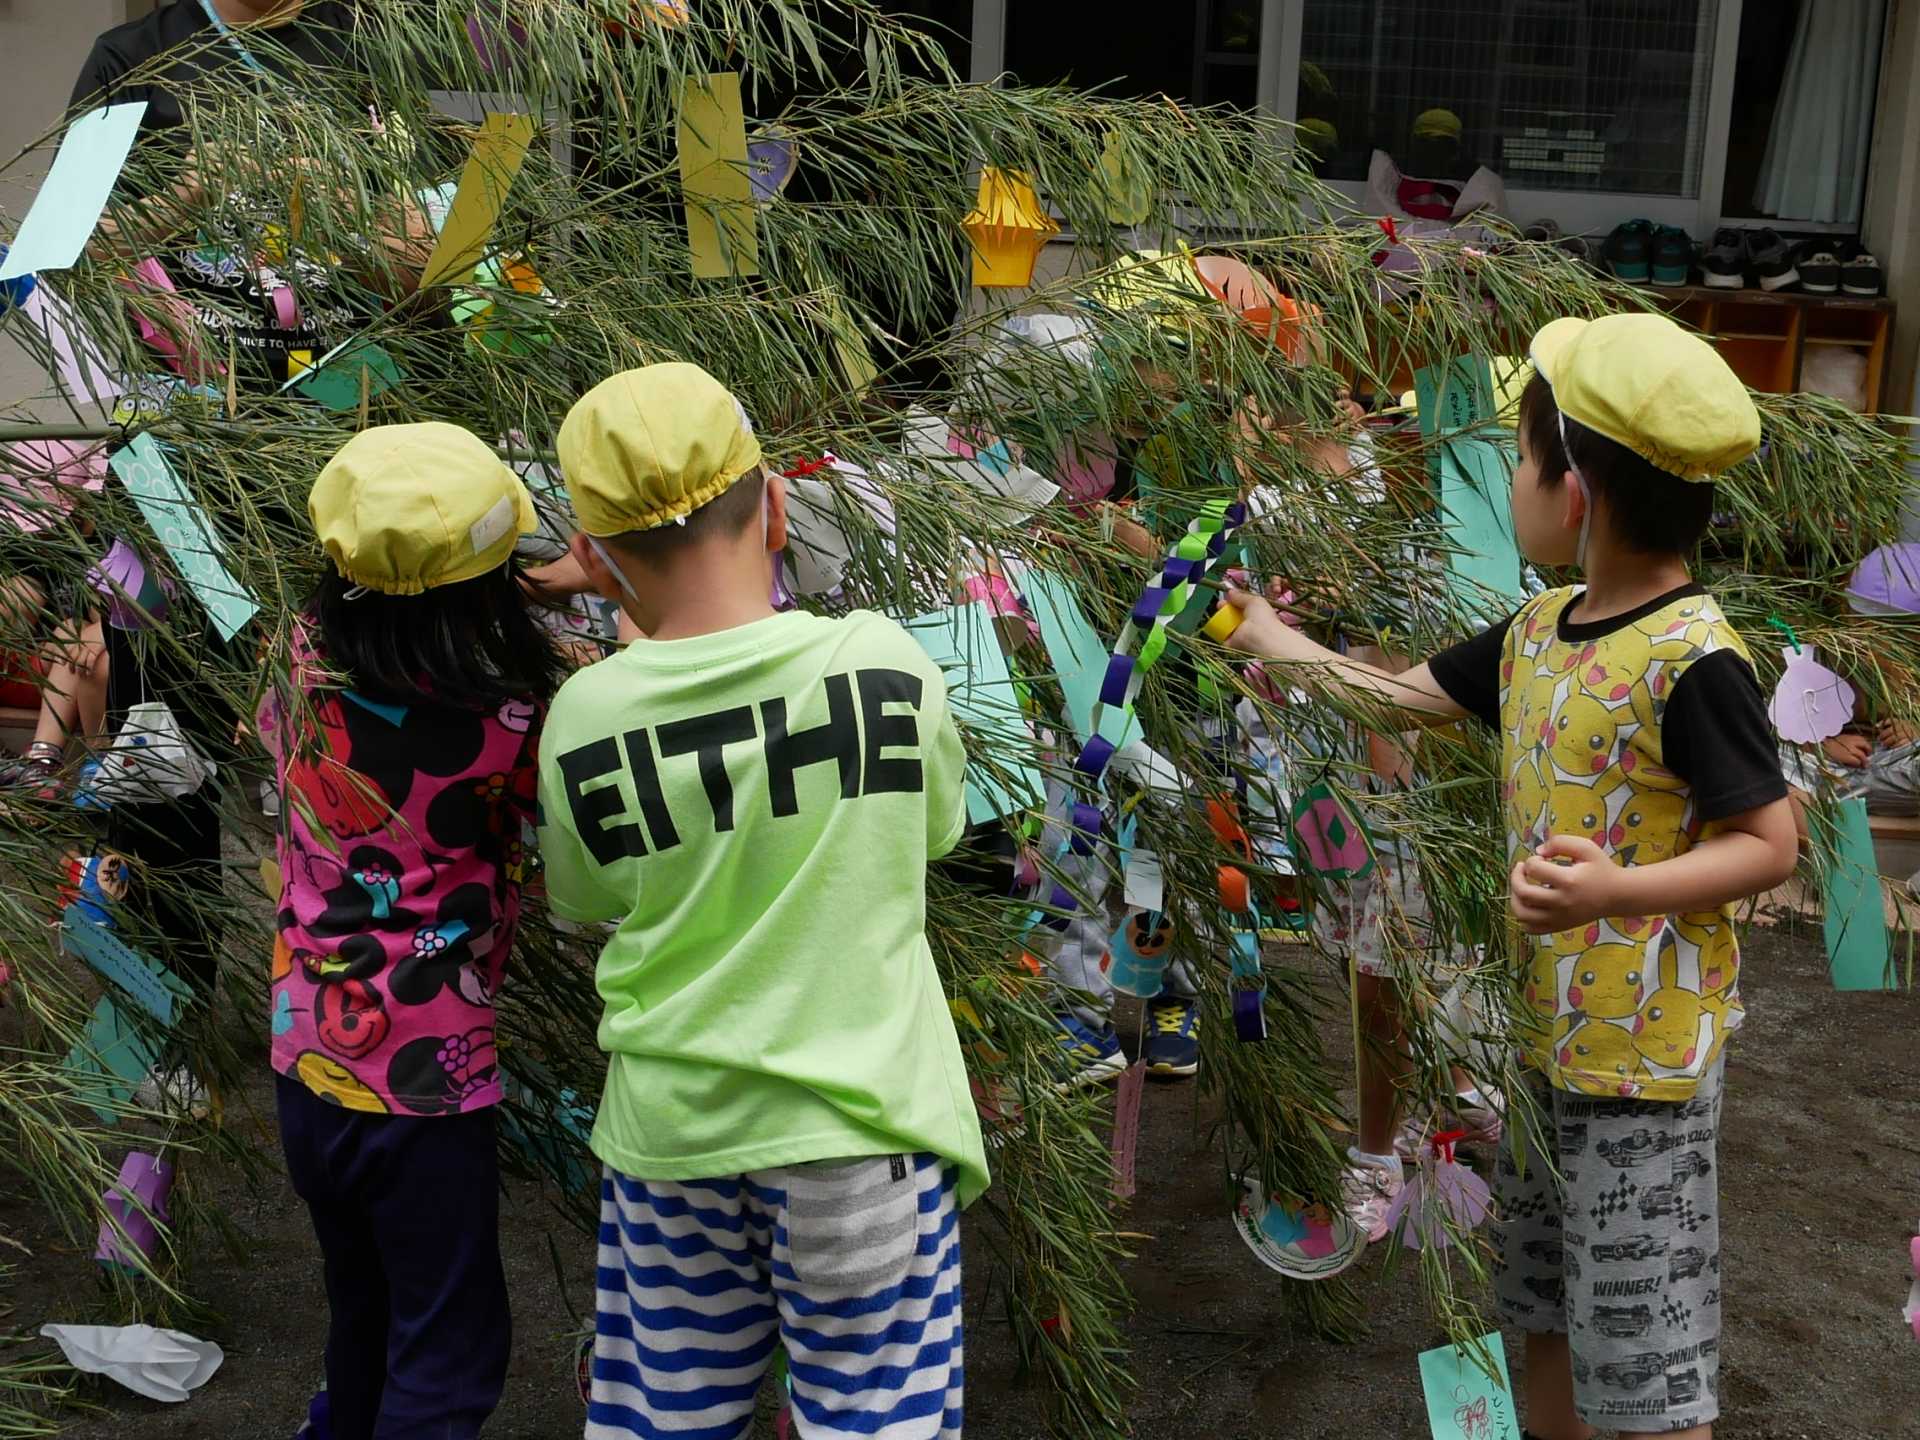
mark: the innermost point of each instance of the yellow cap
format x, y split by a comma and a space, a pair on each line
1663, 393
1437, 124
403, 508
650, 446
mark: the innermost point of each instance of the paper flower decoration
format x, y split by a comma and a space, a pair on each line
1129, 197
1888, 581
1811, 703
771, 161
1440, 1190
1008, 227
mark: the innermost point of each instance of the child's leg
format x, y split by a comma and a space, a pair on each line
1384, 1062
1643, 1260
1530, 1267
685, 1314
74, 701
311, 1135
867, 1275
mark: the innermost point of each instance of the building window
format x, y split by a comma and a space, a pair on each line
1205, 54
1582, 95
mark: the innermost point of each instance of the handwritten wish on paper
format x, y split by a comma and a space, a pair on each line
1463, 1403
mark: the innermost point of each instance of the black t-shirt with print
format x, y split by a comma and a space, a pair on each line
1714, 732
234, 291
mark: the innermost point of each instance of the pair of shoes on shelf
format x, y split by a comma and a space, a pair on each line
1735, 257
1828, 267
1548, 232
1642, 253
1089, 1056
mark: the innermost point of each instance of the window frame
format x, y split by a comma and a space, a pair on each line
1588, 212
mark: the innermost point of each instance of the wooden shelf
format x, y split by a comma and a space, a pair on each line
1765, 335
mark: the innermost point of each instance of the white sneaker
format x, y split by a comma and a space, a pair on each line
1369, 1189
1481, 1112
178, 1090
269, 800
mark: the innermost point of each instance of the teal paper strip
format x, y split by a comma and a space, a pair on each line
182, 527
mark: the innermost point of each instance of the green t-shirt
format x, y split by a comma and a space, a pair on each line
757, 809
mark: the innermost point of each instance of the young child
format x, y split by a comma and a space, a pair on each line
1642, 799
753, 796
406, 759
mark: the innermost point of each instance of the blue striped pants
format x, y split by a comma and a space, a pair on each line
852, 1265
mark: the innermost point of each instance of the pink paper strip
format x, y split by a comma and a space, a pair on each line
83, 372
174, 345
1126, 1128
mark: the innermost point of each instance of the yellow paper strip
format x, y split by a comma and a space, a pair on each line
713, 177
497, 155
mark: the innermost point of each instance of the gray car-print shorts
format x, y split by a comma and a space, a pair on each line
1620, 1252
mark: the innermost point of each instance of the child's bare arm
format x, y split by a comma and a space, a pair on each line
1755, 852
1315, 668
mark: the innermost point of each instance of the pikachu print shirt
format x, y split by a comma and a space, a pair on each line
1642, 732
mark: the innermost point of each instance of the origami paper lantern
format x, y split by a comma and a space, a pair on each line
1254, 298
1129, 196
1888, 581
1811, 703
1008, 227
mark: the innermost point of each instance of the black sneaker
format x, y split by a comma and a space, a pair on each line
1819, 267
1629, 250
1672, 257
1723, 264
1860, 272
1771, 260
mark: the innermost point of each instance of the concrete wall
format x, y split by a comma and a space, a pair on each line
1891, 225
47, 40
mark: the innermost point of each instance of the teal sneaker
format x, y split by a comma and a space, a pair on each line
1173, 1037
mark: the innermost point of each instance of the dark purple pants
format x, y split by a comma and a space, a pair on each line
407, 1212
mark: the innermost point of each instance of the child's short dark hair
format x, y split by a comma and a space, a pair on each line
728, 513
472, 643
1650, 511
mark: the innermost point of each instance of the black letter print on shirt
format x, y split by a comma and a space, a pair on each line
708, 736
838, 740
877, 689
606, 843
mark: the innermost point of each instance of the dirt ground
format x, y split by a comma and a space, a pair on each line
1820, 1184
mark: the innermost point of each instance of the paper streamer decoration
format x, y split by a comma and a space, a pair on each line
46, 477
1126, 1128
135, 596
1129, 196
182, 527
66, 211
498, 152
81, 368
714, 178
1462, 1402
1888, 581
138, 1201
1008, 228
339, 378
155, 990
1080, 658
985, 463
1856, 917
1440, 1190
110, 1061
818, 549
173, 336
962, 642
1811, 703
1473, 475
1302, 1242
772, 157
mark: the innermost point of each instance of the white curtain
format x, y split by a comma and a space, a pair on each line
1816, 165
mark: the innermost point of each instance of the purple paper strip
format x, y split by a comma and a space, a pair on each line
1093, 757
148, 1180
1250, 1016
1113, 689
1147, 608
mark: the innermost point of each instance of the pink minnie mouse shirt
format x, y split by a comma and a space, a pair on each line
401, 860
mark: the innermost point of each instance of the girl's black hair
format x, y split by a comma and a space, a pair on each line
1650, 511
472, 643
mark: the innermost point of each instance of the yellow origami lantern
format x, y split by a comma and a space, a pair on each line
1007, 227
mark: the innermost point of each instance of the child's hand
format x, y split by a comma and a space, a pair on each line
1261, 631
1853, 751
1549, 897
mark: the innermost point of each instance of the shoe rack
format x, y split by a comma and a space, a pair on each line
1766, 336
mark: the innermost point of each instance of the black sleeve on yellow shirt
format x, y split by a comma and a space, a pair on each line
1470, 672
1715, 735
